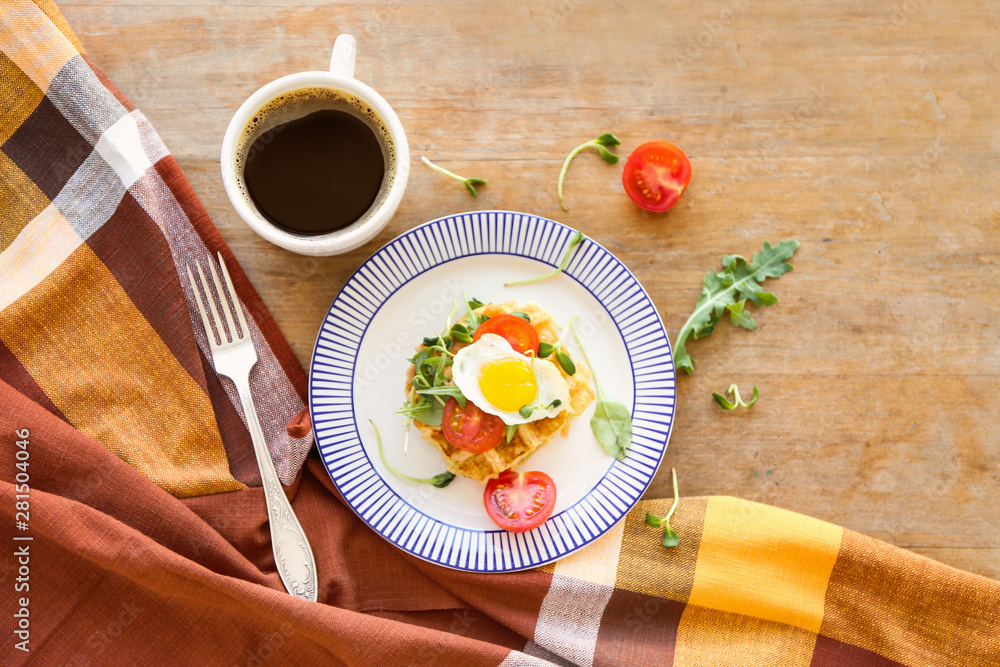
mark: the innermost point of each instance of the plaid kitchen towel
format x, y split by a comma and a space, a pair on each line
98, 224
134, 525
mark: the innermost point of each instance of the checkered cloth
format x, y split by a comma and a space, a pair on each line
98, 225
127, 551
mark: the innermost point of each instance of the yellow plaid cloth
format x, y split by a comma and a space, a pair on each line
756, 585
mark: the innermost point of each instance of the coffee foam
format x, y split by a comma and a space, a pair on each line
302, 102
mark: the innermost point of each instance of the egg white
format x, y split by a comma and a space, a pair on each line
468, 366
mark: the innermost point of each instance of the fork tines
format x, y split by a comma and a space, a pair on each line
235, 335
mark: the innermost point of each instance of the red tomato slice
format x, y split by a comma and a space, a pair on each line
520, 501
518, 332
656, 175
470, 428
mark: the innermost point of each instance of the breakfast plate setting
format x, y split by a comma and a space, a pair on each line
492, 392
405, 292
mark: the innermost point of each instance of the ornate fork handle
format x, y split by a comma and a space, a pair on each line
292, 553
234, 356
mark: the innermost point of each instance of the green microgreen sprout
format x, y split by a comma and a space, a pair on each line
429, 372
460, 333
670, 538
574, 241
440, 481
546, 350
470, 183
600, 143
472, 319
443, 341
526, 410
509, 430
612, 422
737, 401
454, 309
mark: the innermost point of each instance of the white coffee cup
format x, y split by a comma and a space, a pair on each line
341, 79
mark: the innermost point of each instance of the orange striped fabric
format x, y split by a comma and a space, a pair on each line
139, 529
94, 319
754, 585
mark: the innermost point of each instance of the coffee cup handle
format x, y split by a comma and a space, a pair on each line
342, 60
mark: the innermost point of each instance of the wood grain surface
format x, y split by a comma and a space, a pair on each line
867, 131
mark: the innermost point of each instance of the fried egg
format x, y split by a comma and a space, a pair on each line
500, 381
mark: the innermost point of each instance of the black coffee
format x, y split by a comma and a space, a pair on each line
317, 173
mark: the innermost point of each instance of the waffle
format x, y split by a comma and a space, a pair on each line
528, 437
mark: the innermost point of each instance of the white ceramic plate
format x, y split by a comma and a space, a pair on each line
404, 292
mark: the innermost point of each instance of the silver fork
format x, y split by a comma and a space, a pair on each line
234, 358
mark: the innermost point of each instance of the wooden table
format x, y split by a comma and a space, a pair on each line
867, 131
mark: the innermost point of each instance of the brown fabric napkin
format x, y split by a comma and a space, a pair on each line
135, 527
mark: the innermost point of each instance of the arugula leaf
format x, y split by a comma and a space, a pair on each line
416, 408
740, 317
444, 390
432, 416
440, 481
734, 390
729, 290
670, 537
612, 422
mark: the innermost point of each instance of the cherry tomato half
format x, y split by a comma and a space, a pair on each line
520, 501
656, 175
518, 332
470, 428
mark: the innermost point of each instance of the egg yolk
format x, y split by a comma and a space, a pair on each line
509, 384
